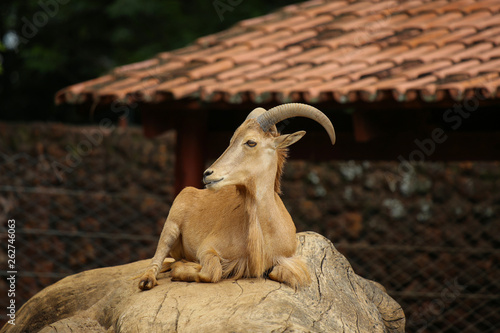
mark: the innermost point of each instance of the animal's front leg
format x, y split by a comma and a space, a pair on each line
168, 237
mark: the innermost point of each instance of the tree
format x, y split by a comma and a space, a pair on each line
62, 42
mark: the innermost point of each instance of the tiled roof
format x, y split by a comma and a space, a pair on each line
322, 50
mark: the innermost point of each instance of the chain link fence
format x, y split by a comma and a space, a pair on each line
84, 198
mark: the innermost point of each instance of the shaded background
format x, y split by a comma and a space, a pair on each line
431, 236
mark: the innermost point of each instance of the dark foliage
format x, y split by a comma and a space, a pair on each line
63, 42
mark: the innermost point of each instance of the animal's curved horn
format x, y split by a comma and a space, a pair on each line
256, 113
289, 110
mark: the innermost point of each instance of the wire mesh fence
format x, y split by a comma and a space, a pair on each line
430, 235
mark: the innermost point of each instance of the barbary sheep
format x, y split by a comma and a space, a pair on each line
237, 226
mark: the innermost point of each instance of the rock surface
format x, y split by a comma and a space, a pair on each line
108, 300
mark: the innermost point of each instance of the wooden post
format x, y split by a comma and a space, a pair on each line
190, 151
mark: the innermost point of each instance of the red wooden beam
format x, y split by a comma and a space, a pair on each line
190, 151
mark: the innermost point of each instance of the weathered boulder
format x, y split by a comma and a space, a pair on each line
108, 300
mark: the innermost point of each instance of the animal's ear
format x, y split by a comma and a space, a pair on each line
286, 140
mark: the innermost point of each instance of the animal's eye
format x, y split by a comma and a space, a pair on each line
251, 143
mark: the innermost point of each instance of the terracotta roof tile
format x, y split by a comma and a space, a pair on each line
490, 88
348, 69
242, 38
224, 53
266, 71
269, 38
475, 19
165, 86
471, 52
283, 55
422, 21
389, 82
387, 54
200, 53
319, 7
136, 66
492, 34
180, 91
429, 36
237, 71
459, 69
414, 53
281, 23
254, 55
256, 20
407, 90
353, 22
492, 5
209, 90
360, 54
324, 50
451, 6
118, 84
295, 38
318, 71
291, 71
355, 38
444, 19
426, 68
296, 90
311, 23
340, 55
76, 93
444, 52
377, 70
393, 20
148, 94
121, 91
454, 35
159, 70
348, 92
384, 7
309, 55
416, 8
314, 92
361, 8
491, 66
459, 89
273, 86
210, 69
492, 53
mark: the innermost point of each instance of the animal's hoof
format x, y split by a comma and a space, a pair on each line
147, 283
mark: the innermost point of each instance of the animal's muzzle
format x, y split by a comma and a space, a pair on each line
208, 181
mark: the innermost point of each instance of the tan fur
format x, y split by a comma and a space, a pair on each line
185, 271
282, 155
238, 227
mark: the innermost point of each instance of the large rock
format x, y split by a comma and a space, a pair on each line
108, 300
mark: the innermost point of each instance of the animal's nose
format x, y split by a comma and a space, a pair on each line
207, 173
